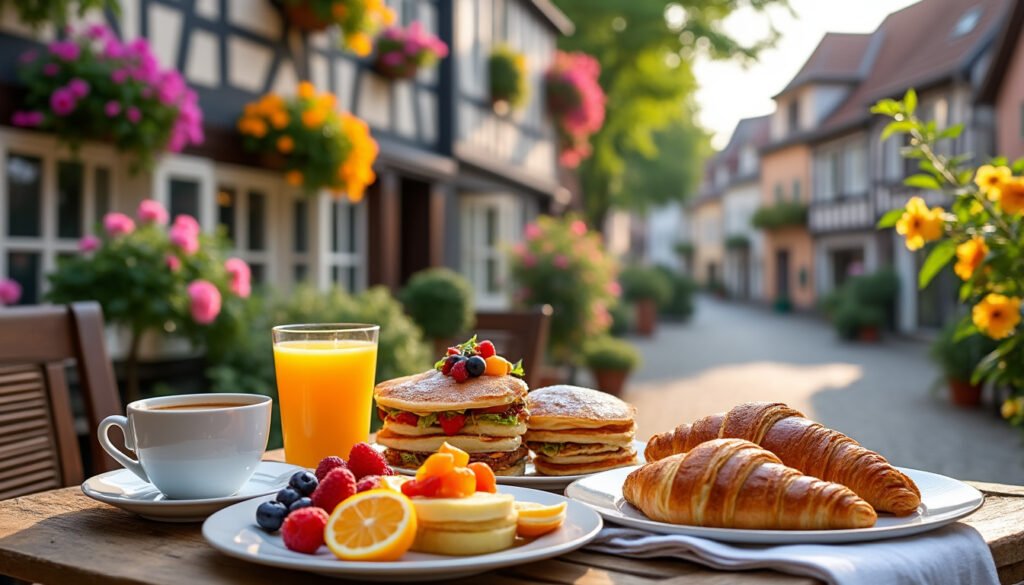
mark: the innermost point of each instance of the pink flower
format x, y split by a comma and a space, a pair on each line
134, 115
113, 49
560, 261
65, 50
532, 231
118, 224
88, 244
97, 32
10, 291
187, 223
63, 101
173, 262
119, 76
112, 108
519, 249
392, 59
184, 238
78, 87
27, 119
614, 289
51, 69
578, 227
529, 260
204, 299
241, 276
151, 211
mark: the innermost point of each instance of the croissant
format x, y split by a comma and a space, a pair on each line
732, 483
802, 444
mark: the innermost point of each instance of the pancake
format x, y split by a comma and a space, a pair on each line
501, 462
570, 449
489, 429
573, 407
547, 468
431, 443
621, 435
432, 391
568, 459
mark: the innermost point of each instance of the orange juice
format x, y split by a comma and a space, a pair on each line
325, 389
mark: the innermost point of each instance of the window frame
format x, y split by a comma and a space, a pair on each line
475, 256
271, 186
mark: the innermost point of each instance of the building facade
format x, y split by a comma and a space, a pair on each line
744, 244
456, 181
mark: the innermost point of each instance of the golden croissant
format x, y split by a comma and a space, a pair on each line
732, 483
802, 444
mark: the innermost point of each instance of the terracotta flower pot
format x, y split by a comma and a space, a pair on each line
869, 334
302, 16
610, 381
646, 317
964, 394
404, 71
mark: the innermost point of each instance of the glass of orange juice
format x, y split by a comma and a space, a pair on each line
325, 375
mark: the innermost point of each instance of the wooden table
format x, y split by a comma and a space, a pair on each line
61, 536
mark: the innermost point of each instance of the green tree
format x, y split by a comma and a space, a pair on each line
672, 173
646, 49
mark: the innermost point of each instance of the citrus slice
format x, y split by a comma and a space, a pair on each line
375, 525
537, 519
393, 482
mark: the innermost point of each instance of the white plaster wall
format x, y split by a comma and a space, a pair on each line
664, 230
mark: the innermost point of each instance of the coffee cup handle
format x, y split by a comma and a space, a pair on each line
130, 464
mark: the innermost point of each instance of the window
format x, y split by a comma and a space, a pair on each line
796, 190
241, 204
183, 197
346, 257
793, 115
855, 172
489, 223
25, 195
778, 192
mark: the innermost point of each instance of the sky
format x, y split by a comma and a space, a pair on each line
729, 91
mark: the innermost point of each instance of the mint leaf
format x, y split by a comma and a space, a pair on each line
427, 420
517, 370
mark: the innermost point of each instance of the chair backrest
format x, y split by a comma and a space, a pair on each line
519, 335
38, 443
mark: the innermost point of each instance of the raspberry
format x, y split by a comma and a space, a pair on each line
364, 460
454, 351
303, 530
459, 372
450, 362
370, 482
485, 349
327, 464
338, 485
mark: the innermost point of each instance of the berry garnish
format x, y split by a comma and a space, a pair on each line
370, 482
449, 362
426, 487
300, 503
270, 515
338, 485
327, 464
304, 482
475, 366
303, 530
364, 460
459, 372
476, 358
485, 349
454, 351
451, 423
288, 495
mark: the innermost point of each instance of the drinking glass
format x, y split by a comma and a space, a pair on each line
325, 375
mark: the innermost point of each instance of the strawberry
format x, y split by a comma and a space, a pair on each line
485, 349
459, 372
406, 418
303, 530
426, 487
451, 423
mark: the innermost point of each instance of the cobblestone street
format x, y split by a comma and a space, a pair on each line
882, 394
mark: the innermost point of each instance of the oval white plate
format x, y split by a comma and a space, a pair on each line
943, 500
125, 490
233, 531
532, 479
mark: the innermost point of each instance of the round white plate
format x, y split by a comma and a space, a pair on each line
532, 479
943, 500
125, 490
233, 531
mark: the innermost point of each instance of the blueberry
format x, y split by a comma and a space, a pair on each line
300, 503
303, 482
287, 496
475, 366
270, 515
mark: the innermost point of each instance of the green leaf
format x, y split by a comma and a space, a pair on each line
937, 259
999, 161
965, 291
886, 107
910, 101
890, 218
1018, 166
923, 182
985, 366
952, 132
894, 127
964, 329
965, 177
517, 370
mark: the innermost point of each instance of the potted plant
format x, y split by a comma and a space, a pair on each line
610, 361
318, 147
958, 358
440, 301
358, 20
680, 305
401, 52
576, 102
858, 321
94, 87
647, 289
780, 215
58, 12
507, 70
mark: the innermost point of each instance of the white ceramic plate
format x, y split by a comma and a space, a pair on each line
532, 479
943, 500
233, 531
125, 490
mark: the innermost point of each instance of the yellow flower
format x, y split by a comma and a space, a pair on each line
293, 178
920, 224
1011, 196
969, 256
285, 144
313, 117
996, 315
279, 119
989, 179
360, 43
388, 16
306, 90
1012, 407
326, 101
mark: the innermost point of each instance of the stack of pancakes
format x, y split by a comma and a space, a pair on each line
494, 419
480, 524
575, 430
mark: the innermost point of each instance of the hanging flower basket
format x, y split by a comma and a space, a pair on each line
302, 16
94, 87
576, 102
401, 52
316, 146
508, 79
359, 20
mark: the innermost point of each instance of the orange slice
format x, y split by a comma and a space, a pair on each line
537, 519
375, 525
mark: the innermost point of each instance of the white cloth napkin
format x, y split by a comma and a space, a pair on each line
951, 555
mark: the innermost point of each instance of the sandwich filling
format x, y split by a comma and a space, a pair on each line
498, 460
451, 422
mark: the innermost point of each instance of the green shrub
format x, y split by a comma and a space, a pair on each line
851, 317
780, 215
878, 289
959, 357
440, 301
869, 294
608, 353
622, 319
680, 303
645, 283
684, 248
737, 242
831, 302
507, 69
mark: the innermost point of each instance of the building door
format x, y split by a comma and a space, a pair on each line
712, 273
782, 274
743, 280
846, 263
415, 229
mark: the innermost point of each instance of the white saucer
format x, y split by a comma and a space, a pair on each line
123, 489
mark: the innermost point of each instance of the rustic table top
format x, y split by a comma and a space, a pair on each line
61, 536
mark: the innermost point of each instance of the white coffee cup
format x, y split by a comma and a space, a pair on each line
193, 446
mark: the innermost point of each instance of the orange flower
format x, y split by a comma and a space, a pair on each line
279, 119
989, 179
285, 144
920, 224
359, 43
306, 90
293, 178
339, 10
1011, 196
326, 101
969, 256
356, 173
313, 117
996, 315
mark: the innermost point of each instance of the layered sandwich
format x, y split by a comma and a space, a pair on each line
575, 430
483, 414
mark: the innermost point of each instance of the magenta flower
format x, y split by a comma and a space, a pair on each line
204, 299
98, 32
65, 50
119, 76
10, 291
187, 223
27, 119
112, 109
118, 224
151, 211
63, 101
241, 277
88, 244
78, 87
186, 240
392, 59
173, 263
51, 69
560, 262
134, 115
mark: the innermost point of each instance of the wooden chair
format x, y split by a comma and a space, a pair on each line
39, 448
517, 335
